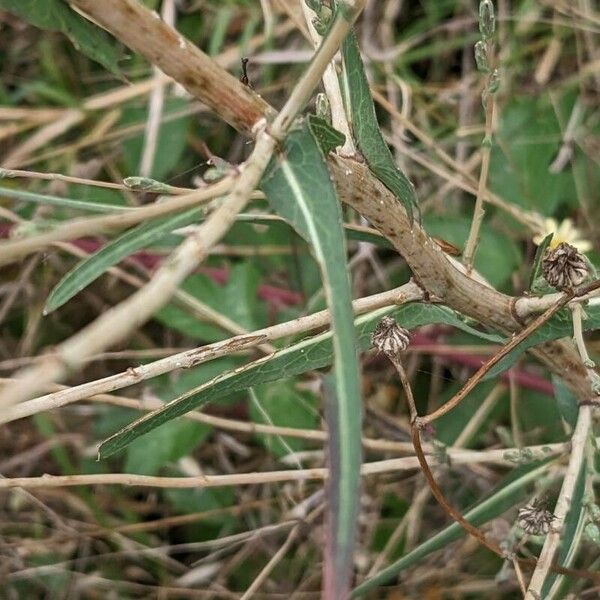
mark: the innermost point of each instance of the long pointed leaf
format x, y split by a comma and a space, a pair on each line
299, 187
98, 263
366, 129
309, 354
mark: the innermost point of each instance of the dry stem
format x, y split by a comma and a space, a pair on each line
357, 187
127, 316
190, 358
563, 504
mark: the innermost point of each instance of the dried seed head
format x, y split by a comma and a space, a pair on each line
389, 337
564, 267
535, 518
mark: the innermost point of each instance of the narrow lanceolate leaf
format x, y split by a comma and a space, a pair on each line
508, 494
57, 15
299, 187
309, 354
47, 199
95, 265
571, 535
366, 129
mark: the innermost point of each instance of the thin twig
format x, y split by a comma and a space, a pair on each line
127, 316
406, 463
189, 358
485, 368
563, 504
15, 249
156, 103
331, 84
478, 211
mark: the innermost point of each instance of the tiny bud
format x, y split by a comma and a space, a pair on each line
389, 338
481, 59
535, 518
320, 26
323, 107
564, 267
494, 82
487, 19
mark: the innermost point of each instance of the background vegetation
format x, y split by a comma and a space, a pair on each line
62, 112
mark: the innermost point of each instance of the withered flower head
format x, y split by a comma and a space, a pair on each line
564, 267
389, 338
535, 518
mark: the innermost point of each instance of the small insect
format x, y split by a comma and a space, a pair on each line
244, 78
447, 247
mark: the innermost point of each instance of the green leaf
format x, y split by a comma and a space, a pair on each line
366, 129
537, 261
507, 494
57, 15
95, 265
566, 401
570, 539
299, 187
526, 145
237, 299
497, 267
171, 143
46, 199
166, 444
282, 405
560, 326
307, 355
327, 136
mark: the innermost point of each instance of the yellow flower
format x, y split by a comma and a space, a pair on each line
565, 232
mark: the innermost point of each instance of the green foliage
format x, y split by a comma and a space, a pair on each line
49, 200
237, 299
171, 141
497, 255
299, 187
92, 267
536, 270
281, 404
326, 136
366, 129
309, 354
506, 495
555, 586
168, 443
527, 142
565, 401
57, 15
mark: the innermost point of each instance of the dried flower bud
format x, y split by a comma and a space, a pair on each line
487, 19
389, 337
564, 267
535, 518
